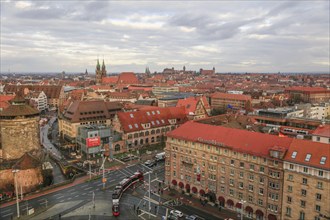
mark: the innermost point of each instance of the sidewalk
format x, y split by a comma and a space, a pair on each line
195, 202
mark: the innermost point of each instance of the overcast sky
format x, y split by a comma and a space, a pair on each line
232, 36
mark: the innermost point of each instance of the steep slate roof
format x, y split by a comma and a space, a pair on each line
91, 110
221, 95
50, 91
240, 140
158, 117
316, 149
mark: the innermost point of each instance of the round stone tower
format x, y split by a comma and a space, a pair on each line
19, 129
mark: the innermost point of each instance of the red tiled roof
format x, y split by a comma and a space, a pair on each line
127, 78
323, 131
221, 95
50, 91
157, 117
307, 89
110, 80
190, 103
240, 140
316, 149
4, 105
4, 98
100, 87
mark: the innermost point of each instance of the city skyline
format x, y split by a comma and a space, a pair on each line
237, 36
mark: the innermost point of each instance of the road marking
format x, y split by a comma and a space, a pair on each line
151, 200
71, 190
72, 193
8, 210
84, 194
7, 214
61, 201
83, 187
76, 196
60, 197
100, 184
88, 188
69, 198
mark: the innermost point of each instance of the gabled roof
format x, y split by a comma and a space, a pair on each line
156, 117
240, 140
27, 161
221, 95
50, 91
315, 149
91, 110
190, 103
322, 131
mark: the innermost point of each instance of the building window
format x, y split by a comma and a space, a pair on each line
232, 172
241, 174
320, 173
289, 199
317, 208
288, 211
251, 177
319, 185
232, 162
231, 192
261, 169
261, 191
303, 192
240, 185
231, 182
294, 154
241, 164
305, 170
291, 166
222, 189
302, 203
261, 180
250, 198
308, 157
260, 202
290, 177
323, 159
289, 188
318, 196
304, 181
251, 188
302, 215
317, 218
251, 166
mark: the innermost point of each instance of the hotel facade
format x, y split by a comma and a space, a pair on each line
236, 169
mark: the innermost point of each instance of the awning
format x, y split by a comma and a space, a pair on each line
230, 202
194, 190
202, 192
181, 185
174, 182
187, 186
260, 213
221, 199
238, 205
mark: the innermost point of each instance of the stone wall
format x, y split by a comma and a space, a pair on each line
30, 179
19, 136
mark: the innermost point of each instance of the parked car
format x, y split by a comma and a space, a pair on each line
177, 213
150, 163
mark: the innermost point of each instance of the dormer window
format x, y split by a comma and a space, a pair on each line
308, 157
294, 154
152, 122
131, 115
136, 125
158, 112
163, 121
148, 113
130, 126
153, 112
157, 122
323, 159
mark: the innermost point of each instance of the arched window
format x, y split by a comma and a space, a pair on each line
141, 134
157, 131
136, 135
158, 138
152, 131
117, 147
147, 140
136, 142
129, 136
163, 130
152, 139
141, 141
147, 133
167, 129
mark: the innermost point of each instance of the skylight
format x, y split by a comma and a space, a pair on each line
163, 121
158, 112
157, 122
136, 125
152, 122
323, 159
308, 157
294, 154
132, 116
148, 113
153, 112
130, 126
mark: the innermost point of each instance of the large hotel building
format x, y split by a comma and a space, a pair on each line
232, 167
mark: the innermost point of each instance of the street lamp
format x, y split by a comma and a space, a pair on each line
17, 202
242, 203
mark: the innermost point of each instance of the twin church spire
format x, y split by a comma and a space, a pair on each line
100, 72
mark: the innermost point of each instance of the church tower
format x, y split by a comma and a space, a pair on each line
100, 73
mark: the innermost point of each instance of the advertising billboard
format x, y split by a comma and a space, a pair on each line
93, 142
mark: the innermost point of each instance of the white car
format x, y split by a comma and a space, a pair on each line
177, 213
